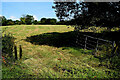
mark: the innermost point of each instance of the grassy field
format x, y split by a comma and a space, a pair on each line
44, 58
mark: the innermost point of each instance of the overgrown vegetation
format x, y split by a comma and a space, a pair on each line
7, 45
43, 57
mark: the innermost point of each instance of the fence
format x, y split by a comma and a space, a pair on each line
97, 44
20, 52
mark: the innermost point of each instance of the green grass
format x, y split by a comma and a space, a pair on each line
49, 61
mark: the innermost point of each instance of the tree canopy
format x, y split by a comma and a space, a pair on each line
48, 21
89, 13
3, 20
27, 19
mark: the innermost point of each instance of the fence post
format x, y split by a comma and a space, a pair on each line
15, 49
85, 42
96, 45
20, 52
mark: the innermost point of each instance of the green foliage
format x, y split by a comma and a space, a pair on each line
43, 20
88, 14
35, 22
48, 21
3, 20
27, 19
83, 72
7, 44
17, 22
22, 19
10, 22
104, 54
15, 70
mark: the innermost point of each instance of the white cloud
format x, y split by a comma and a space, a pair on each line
13, 18
35, 17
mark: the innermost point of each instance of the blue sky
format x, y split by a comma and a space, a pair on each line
14, 10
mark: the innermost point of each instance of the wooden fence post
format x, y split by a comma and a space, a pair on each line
96, 45
15, 49
85, 42
20, 52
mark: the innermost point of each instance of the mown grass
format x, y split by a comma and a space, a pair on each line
50, 61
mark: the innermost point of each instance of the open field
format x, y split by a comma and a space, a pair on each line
46, 55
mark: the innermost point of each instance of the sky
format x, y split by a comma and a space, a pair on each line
14, 10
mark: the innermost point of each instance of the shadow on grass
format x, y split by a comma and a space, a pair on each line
53, 39
68, 39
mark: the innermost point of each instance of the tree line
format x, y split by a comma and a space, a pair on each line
28, 20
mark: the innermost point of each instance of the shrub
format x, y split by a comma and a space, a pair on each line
7, 45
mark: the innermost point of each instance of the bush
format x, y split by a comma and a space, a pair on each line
7, 45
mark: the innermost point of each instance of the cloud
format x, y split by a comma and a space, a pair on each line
13, 18
0, 15
35, 17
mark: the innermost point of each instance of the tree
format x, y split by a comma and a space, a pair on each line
48, 21
17, 22
87, 14
43, 21
22, 19
10, 22
3, 20
107, 13
27, 19
53, 21
39, 22
35, 22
